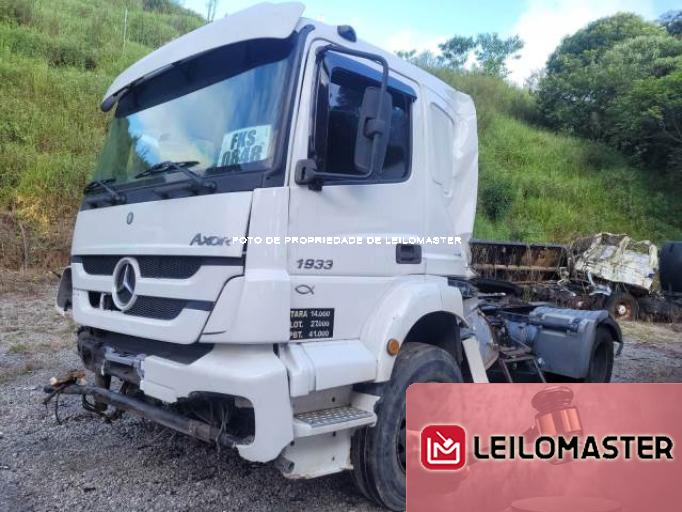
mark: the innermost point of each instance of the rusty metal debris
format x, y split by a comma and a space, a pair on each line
604, 271
517, 262
122, 401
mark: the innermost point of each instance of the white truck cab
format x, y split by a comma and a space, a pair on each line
275, 245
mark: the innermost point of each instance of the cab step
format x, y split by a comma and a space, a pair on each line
322, 421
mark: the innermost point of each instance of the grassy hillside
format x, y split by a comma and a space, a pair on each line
57, 58
536, 185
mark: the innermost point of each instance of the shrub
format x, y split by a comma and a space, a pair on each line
496, 196
13, 11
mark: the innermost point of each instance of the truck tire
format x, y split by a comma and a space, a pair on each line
622, 306
378, 453
601, 360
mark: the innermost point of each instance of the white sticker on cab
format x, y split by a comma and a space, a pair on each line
246, 145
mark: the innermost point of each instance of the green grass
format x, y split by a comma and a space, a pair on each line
57, 57
535, 185
559, 187
19, 348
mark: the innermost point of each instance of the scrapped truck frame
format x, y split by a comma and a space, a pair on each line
267, 126
604, 271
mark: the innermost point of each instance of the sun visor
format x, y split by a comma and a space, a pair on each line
275, 21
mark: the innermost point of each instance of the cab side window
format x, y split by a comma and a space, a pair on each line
339, 98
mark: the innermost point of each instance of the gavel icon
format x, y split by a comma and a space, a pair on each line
556, 416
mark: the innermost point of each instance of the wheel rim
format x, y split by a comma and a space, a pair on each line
623, 310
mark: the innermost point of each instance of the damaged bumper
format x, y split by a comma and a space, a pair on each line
200, 430
252, 374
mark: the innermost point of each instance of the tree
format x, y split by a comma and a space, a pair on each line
211, 7
532, 82
645, 114
573, 94
163, 6
672, 22
588, 45
614, 81
456, 50
426, 59
492, 53
407, 55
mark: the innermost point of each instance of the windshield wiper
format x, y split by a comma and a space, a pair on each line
167, 166
196, 183
114, 196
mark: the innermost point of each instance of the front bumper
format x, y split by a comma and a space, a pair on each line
251, 372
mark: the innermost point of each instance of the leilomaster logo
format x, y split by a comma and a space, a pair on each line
443, 447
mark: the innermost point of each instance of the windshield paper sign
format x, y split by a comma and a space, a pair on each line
245, 145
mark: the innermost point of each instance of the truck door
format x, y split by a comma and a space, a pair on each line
357, 222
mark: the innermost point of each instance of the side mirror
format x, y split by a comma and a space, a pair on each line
374, 127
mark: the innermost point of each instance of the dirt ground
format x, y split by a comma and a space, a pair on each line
652, 353
86, 464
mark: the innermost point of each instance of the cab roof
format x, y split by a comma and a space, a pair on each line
266, 20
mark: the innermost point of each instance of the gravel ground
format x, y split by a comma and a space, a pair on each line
86, 464
652, 353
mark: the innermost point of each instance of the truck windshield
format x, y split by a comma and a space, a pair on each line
223, 111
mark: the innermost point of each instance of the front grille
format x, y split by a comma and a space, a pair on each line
99, 265
178, 267
156, 267
158, 308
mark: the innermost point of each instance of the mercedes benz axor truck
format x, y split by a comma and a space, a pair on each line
274, 246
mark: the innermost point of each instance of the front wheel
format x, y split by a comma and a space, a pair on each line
378, 453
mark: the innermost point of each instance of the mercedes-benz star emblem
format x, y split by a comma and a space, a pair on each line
126, 273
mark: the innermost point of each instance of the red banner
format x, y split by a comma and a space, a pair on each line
544, 448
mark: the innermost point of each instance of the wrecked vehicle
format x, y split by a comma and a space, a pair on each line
604, 271
265, 126
617, 267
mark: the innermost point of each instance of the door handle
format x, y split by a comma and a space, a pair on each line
410, 254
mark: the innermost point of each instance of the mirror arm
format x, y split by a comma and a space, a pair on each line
306, 173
